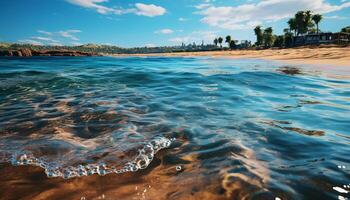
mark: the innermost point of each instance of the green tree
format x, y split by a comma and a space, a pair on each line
345, 29
303, 22
286, 30
228, 40
279, 41
259, 35
312, 30
216, 42
308, 23
288, 39
232, 44
317, 19
220, 40
299, 22
268, 37
293, 25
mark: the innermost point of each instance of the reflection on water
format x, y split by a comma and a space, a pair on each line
171, 128
290, 70
280, 124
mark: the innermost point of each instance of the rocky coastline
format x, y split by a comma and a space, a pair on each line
30, 53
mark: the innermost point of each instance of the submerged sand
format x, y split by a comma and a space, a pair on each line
328, 55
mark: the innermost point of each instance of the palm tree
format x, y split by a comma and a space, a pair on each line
293, 25
317, 19
259, 35
228, 40
279, 41
308, 23
288, 39
268, 37
220, 40
303, 22
299, 22
345, 29
232, 44
216, 42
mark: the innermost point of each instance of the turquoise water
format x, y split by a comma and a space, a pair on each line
270, 130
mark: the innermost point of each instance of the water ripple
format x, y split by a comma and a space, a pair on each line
244, 129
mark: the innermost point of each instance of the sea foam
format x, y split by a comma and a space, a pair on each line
141, 161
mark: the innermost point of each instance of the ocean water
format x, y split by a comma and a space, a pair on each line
172, 128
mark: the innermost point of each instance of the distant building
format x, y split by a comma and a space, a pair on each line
341, 38
244, 44
321, 38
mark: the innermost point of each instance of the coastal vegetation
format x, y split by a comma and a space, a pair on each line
228, 39
220, 40
109, 49
317, 19
302, 23
345, 29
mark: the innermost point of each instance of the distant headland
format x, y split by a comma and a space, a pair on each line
28, 52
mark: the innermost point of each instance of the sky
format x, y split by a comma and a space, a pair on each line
129, 23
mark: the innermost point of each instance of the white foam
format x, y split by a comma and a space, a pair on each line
178, 168
341, 190
141, 161
341, 198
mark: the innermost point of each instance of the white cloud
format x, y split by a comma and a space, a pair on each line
94, 4
47, 39
32, 42
44, 32
69, 34
165, 31
150, 45
53, 38
149, 10
178, 40
248, 15
181, 19
202, 5
335, 17
76, 43
55, 44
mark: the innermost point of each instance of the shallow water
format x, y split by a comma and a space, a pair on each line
172, 128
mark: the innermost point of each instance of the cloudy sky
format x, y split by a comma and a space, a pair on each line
130, 23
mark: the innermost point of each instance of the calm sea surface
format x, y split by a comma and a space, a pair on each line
172, 128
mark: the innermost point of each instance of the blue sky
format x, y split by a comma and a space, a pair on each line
130, 23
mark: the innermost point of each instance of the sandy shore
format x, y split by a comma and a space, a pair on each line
334, 56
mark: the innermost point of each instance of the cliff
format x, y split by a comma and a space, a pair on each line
29, 53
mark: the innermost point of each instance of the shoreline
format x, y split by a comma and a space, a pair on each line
328, 56
334, 56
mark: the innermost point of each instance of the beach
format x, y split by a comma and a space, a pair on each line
323, 55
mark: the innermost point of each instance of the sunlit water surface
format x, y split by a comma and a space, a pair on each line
172, 128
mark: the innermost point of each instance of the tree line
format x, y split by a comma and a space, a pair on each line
107, 49
230, 42
303, 22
